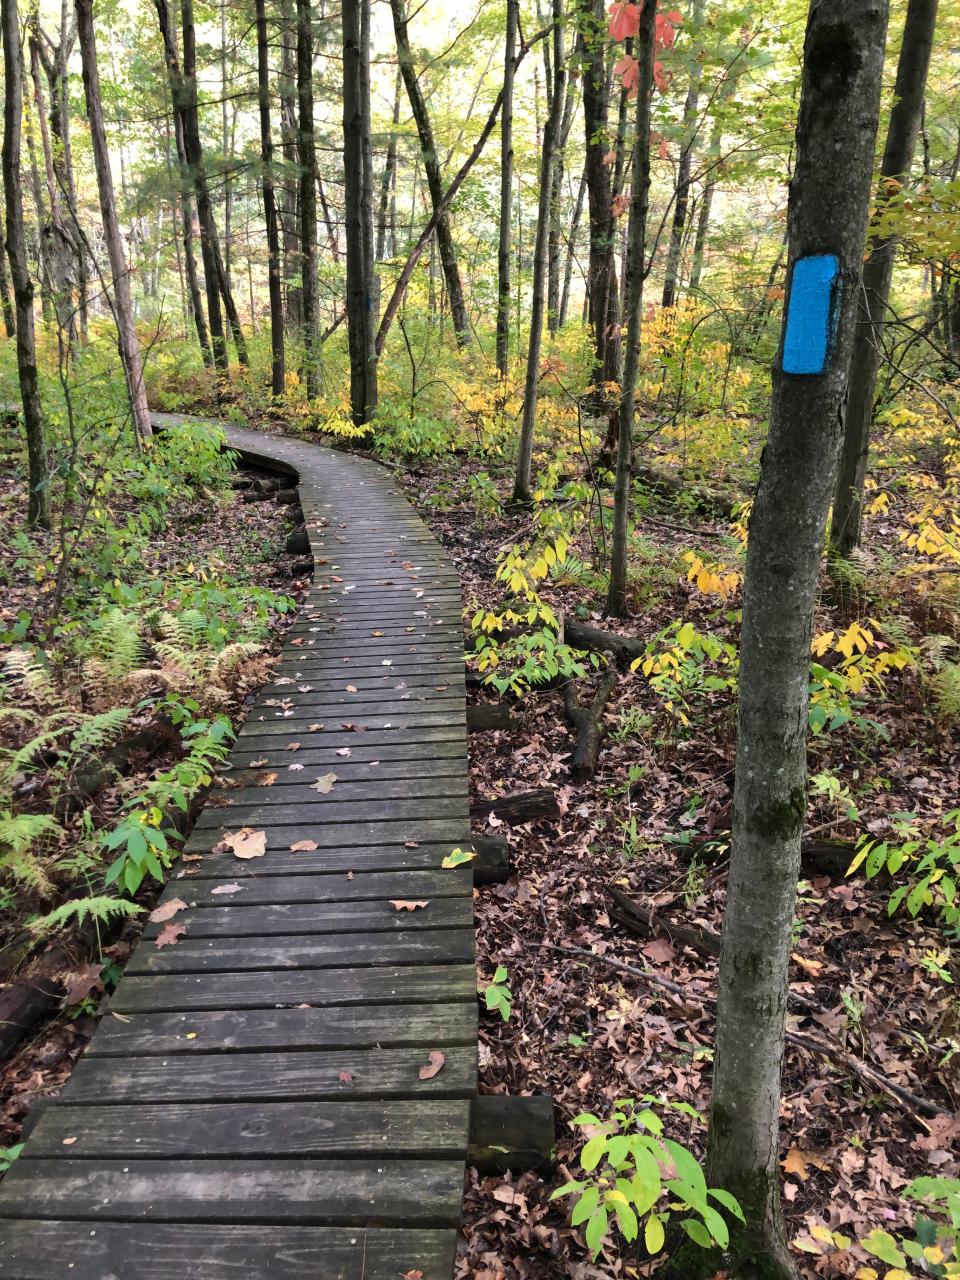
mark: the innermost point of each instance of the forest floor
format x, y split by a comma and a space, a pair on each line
205, 535
653, 823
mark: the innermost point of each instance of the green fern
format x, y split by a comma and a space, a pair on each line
97, 732
24, 759
946, 687
115, 648
79, 910
20, 836
27, 676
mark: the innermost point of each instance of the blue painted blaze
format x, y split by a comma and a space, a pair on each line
811, 314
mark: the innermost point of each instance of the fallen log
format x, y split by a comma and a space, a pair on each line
492, 863
24, 1005
512, 1134
645, 923
623, 648
588, 722
298, 541
703, 495
489, 715
514, 810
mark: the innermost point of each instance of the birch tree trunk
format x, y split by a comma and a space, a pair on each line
308, 200
274, 263
828, 213
636, 274
505, 233
878, 275
38, 509
122, 302
551, 137
431, 165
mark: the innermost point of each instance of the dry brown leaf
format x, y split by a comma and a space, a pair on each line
169, 935
352, 688
226, 888
292, 746
81, 983
267, 780
434, 1066
304, 846
345, 1077
167, 910
324, 784
399, 904
246, 843
344, 751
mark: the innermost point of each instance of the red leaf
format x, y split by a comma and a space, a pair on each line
624, 19
433, 1067
170, 935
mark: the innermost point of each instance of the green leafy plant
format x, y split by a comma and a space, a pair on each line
929, 866
935, 1243
497, 995
640, 1179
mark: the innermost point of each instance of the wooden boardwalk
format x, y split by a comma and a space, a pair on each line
252, 1105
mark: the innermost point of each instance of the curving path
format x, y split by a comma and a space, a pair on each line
252, 1105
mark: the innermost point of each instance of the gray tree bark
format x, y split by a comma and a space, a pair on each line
431, 166
636, 274
38, 507
672, 274
274, 263
289, 211
122, 301
505, 236
551, 138
571, 251
308, 200
828, 213
361, 318
388, 179
898, 155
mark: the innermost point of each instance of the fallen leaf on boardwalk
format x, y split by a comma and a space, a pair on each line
352, 688
68, 1142
298, 641
295, 768
255, 764
80, 984
344, 751
268, 780
433, 1067
226, 888
411, 844
413, 1275
457, 858
167, 910
304, 846
797, 1162
399, 905
407, 564
324, 784
376, 633
316, 728
345, 1077
292, 746
169, 935
244, 843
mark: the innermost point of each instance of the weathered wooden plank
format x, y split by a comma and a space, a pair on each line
331, 808
447, 745
402, 1193
358, 721
307, 1075
313, 919
235, 779
242, 1031
435, 1129
339, 836
32, 1250
309, 863
391, 985
297, 794
303, 951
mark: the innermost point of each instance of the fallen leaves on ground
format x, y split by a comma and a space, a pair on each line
434, 1066
245, 843
169, 935
166, 910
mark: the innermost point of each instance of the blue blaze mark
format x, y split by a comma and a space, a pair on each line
811, 314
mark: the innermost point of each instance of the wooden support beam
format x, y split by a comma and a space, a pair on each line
512, 1134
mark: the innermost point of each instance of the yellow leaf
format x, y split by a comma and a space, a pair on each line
822, 1233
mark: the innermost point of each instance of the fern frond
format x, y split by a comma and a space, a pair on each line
99, 731
22, 760
27, 676
115, 648
79, 910
946, 687
19, 837
226, 660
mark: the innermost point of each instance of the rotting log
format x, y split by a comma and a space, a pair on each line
588, 722
298, 541
23, 1006
492, 863
489, 715
516, 809
624, 649
645, 923
512, 1134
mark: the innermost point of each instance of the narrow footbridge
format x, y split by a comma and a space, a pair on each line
285, 1090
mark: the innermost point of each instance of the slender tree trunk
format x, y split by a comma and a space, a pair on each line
371, 280
635, 275
506, 190
289, 198
556, 201
828, 213
431, 165
225, 136
551, 137
6, 306
308, 200
602, 271
672, 275
38, 509
36, 188
706, 206
388, 180
571, 251
356, 128
878, 275
122, 301
274, 263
